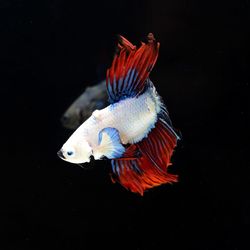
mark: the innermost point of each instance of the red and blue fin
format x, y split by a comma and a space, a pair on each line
150, 168
130, 68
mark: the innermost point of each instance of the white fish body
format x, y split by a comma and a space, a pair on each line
132, 117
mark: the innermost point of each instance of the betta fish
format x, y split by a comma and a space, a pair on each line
135, 131
94, 97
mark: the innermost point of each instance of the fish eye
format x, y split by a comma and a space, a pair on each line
70, 153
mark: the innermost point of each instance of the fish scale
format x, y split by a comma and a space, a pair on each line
132, 117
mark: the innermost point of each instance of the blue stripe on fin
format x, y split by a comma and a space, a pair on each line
110, 91
122, 88
114, 85
120, 84
113, 163
133, 76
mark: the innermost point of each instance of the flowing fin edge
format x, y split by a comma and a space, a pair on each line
150, 170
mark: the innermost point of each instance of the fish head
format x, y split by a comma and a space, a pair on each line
75, 151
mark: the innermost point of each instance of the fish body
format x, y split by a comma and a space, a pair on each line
135, 130
132, 117
93, 97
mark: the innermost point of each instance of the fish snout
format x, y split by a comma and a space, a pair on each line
60, 154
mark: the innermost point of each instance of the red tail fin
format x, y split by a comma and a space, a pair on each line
150, 169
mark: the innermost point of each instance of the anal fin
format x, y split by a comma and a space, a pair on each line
151, 169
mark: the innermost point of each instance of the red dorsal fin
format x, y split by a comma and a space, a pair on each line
130, 68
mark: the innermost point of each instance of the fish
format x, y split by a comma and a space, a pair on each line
134, 131
94, 97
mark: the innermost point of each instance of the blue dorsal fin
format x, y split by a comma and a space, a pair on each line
109, 144
130, 68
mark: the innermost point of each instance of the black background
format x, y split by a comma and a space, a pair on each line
51, 50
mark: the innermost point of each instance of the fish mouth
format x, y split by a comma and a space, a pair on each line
60, 154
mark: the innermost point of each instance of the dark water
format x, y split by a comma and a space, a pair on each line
51, 50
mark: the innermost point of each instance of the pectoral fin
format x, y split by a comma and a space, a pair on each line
109, 144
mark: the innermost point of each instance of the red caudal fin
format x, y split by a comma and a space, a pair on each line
130, 68
150, 169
